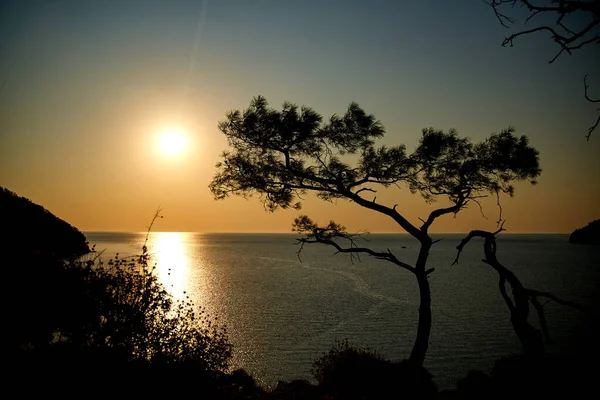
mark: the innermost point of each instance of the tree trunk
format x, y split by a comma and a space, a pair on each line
531, 339
417, 355
419, 350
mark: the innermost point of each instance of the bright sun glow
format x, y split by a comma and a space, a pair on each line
172, 142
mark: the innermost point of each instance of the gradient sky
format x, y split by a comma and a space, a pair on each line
86, 85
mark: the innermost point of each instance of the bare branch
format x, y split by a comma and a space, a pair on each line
441, 211
533, 14
503, 19
391, 212
499, 209
484, 234
536, 293
571, 39
356, 250
558, 54
568, 34
366, 189
332, 232
500, 229
539, 309
585, 88
505, 296
592, 128
518, 305
480, 208
591, 100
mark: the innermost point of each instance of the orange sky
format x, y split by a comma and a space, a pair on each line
87, 86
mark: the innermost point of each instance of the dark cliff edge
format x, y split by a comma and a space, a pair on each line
28, 228
589, 234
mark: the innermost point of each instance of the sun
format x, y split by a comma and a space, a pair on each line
172, 142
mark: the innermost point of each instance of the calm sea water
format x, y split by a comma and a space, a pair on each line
282, 312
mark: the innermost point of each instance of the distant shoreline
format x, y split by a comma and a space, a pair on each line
295, 234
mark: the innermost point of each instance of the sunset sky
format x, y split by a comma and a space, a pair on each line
86, 87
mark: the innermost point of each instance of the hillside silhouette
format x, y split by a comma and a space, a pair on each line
589, 234
29, 228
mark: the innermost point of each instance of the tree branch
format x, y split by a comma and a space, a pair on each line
501, 17
391, 212
522, 296
569, 36
480, 208
505, 296
376, 254
365, 189
500, 221
592, 128
438, 213
332, 231
478, 233
536, 293
460, 202
539, 309
591, 100
585, 88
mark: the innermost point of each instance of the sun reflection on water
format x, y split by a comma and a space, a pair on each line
170, 254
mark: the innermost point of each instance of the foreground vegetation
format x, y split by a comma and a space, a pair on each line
82, 326
99, 321
74, 319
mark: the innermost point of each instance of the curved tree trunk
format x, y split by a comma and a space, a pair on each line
316, 234
419, 350
531, 338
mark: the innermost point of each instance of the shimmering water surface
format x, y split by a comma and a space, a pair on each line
282, 312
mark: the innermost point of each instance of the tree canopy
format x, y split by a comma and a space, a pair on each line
282, 155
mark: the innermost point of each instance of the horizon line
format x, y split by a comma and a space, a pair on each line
293, 233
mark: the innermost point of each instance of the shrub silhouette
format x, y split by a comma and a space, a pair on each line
74, 322
530, 376
115, 316
347, 372
137, 316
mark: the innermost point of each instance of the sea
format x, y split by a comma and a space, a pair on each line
285, 305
